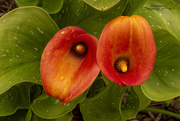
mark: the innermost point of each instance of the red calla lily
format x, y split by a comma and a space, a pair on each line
126, 50
68, 63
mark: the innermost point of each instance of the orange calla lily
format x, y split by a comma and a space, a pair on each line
68, 63
126, 50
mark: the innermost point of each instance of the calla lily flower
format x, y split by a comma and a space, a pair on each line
126, 50
68, 63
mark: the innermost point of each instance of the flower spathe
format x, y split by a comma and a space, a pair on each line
68, 63
126, 50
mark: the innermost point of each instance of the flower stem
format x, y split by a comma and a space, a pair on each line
163, 112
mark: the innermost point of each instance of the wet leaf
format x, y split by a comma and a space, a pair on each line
18, 97
106, 106
51, 108
51, 6
101, 5
163, 17
78, 13
24, 32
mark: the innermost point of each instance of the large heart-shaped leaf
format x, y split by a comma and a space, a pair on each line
51, 6
16, 97
163, 17
101, 5
164, 82
24, 33
51, 108
77, 13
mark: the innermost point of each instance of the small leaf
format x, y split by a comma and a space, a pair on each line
101, 5
24, 33
16, 97
131, 107
51, 108
51, 6
143, 100
106, 106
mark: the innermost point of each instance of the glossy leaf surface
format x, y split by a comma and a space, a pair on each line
101, 5
16, 97
51, 108
51, 6
22, 45
164, 81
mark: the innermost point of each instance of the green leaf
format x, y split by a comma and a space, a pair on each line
24, 33
131, 106
163, 17
51, 108
164, 81
143, 100
66, 117
16, 97
101, 5
133, 6
96, 88
77, 13
162, 14
51, 6
105, 107
19, 115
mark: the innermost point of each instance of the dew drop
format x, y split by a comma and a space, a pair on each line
36, 49
32, 32
160, 14
57, 101
17, 27
159, 26
150, 16
172, 83
7, 51
3, 55
10, 82
157, 83
15, 38
66, 104
172, 69
17, 56
10, 59
47, 110
29, 20
40, 30
23, 51
4, 20
95, 33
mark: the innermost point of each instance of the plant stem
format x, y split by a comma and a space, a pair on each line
163, 112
